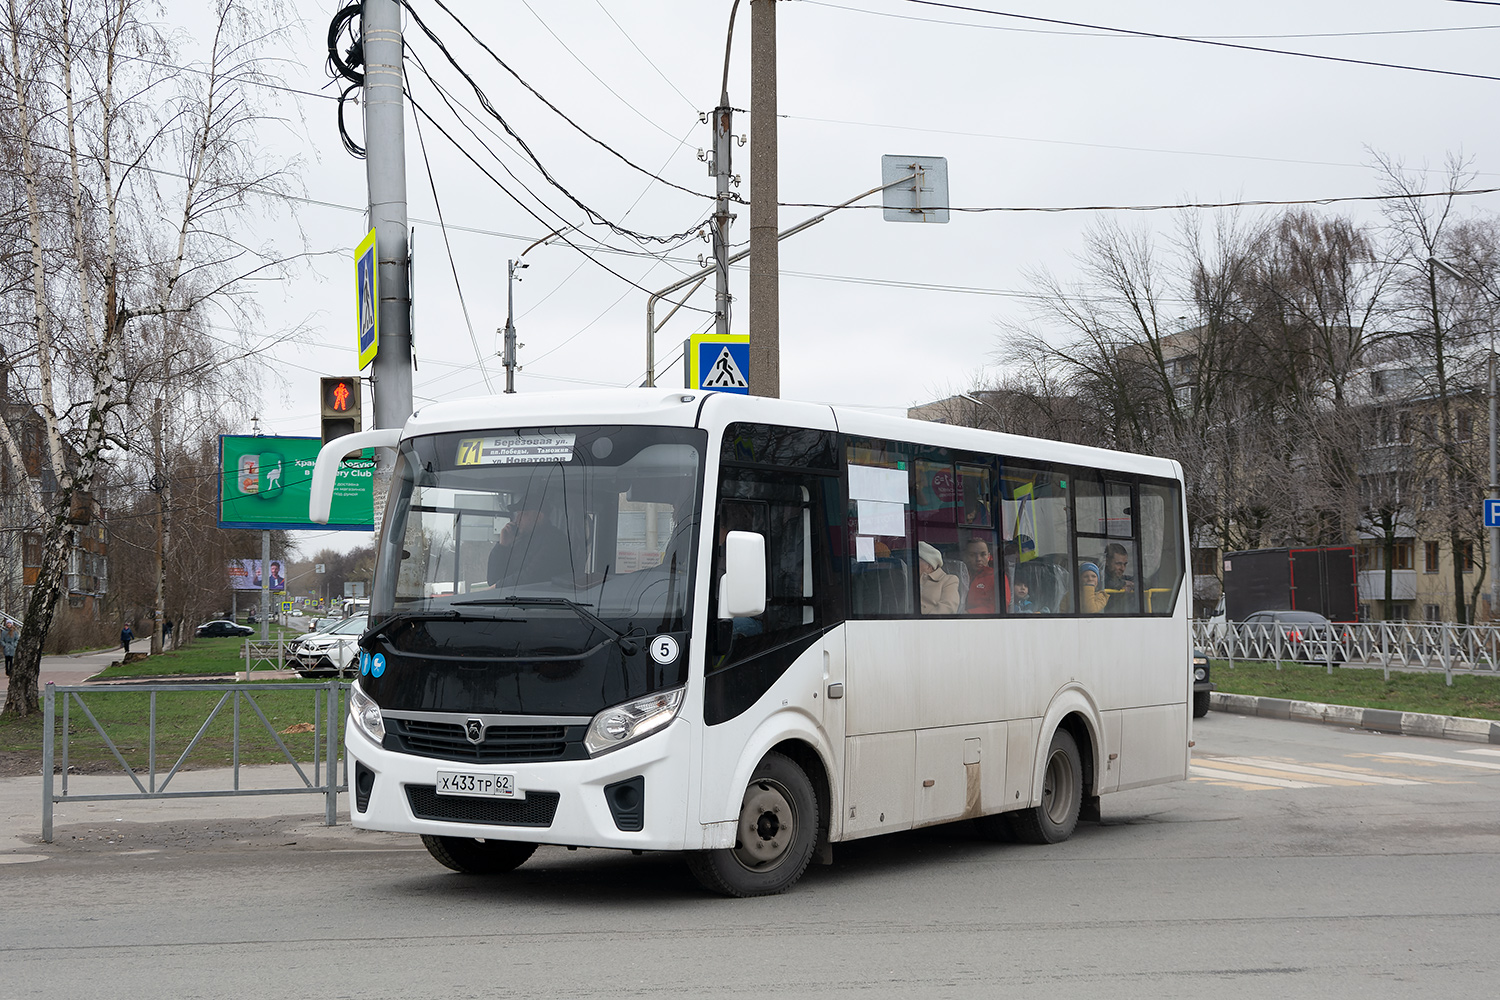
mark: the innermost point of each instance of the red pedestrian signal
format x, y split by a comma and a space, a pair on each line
340, 407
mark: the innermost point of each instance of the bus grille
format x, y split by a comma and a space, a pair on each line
502, 744
537, 809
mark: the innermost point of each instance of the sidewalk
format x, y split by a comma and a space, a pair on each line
1376, 720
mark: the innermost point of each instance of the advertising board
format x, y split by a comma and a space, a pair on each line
265, 482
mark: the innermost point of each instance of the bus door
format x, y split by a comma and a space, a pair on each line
782, 660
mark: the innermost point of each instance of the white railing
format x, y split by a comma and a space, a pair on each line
1419, 646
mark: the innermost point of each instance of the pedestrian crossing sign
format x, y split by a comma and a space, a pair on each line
719, 362
367, 299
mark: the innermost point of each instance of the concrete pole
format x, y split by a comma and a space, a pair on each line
508, 354
723, 143
765, 261
158, 640
385, 174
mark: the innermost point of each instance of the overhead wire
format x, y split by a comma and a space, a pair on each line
589, 70
1162, 36
594, 216
1111, 33
452, 264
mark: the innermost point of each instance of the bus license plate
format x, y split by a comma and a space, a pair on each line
500, 786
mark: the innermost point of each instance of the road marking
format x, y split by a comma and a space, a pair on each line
1318, 772
1483, 750
1486, 765
1242, 777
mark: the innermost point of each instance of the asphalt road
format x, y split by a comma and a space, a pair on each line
1300, 861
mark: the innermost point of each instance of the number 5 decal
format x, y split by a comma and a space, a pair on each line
664, 649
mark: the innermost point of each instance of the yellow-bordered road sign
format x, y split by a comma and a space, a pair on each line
719, 361
367, 296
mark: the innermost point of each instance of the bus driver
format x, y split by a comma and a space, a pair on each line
529, 550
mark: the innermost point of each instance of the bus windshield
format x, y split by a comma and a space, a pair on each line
554, 521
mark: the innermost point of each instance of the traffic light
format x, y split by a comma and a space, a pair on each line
340, 407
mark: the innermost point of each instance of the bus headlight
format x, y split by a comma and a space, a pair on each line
622, 724
366, 715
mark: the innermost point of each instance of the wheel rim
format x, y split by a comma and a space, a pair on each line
767, 826
1057, 787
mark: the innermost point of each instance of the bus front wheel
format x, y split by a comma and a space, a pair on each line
1062, 794
478, 857
774, 839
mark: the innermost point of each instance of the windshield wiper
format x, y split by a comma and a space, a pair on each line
402, 617
626, 644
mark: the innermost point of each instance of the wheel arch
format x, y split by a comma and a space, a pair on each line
794, 736
1074, 711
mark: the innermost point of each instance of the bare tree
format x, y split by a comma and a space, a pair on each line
132, 173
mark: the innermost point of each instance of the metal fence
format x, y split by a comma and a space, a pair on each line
1409, 646
272, 654
329, 707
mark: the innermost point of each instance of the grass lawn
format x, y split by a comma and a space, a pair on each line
1474, 697
124, 714
204, 657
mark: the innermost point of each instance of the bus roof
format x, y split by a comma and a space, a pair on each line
713, 410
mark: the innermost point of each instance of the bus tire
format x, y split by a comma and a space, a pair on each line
1200, 704
1062, 795
775, 837
478, 857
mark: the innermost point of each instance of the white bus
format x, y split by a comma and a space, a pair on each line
712, 623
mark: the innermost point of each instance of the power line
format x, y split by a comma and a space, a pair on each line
452, 264
1111, 32
488, 107
669, 83
1203, 41
1262, 203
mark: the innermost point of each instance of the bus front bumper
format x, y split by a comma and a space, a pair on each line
582, 803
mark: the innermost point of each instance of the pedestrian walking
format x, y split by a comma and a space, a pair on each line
125, 636
8, 640
166, 633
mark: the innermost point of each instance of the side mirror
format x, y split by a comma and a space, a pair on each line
742, 588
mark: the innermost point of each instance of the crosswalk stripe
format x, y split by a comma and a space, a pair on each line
1486, 765
1484, 750
1319, 772
1241, 776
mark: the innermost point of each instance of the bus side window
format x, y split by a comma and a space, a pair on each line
1035, 511
1161, 547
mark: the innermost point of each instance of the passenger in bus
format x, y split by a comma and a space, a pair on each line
1022, 604
982, 585
1090, 597
529, 550
1119, 585
939, 589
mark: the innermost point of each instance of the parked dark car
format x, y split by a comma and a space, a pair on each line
1201, 684
209, 630
1311, 637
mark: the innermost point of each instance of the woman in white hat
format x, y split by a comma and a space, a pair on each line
939, 589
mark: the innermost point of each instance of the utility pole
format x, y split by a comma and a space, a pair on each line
508, 354
721, 167
765, 261
385, 175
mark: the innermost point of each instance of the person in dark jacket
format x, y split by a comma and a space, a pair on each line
529, 550
125, 636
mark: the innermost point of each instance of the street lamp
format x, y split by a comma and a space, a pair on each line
1494, 489
975, 399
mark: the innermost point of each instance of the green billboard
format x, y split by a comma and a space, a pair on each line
265, 482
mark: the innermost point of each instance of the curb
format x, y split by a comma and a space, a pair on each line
1377, 720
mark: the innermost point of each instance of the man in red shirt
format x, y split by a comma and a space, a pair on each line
982, 584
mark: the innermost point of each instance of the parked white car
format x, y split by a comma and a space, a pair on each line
334, 650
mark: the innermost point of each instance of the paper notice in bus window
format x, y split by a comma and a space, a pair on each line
864, 548
876, 518
868, 482
515, 449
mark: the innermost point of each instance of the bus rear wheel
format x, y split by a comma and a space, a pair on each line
1062, 795
478, 857
774, 838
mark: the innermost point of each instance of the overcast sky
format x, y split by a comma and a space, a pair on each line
873, 313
